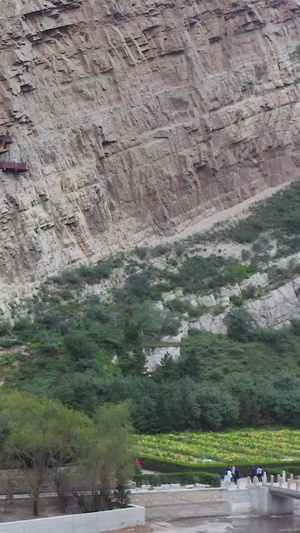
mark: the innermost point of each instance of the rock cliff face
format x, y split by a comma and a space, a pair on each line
136, 115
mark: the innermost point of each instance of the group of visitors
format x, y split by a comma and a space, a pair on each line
256, 471
232, 474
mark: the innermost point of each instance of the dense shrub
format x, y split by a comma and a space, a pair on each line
295, 327
279, 213
102, 270
5, 327
158, 464
141, 252
71, 277
138, 287
184, 306
279, 338
169, 324
217, 406
240, 325
184, 478
81, 347
159, 250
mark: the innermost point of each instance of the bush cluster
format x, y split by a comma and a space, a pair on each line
184, 478
171, 467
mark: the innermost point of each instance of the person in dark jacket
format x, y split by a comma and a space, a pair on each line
253, 473
237, 473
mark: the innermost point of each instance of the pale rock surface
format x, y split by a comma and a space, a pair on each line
275, 309
227, 292
207, 300
208, 322
135, 117
287, 262
278, 307
182, 332
169, 296
156, 356
224, 301
259, 279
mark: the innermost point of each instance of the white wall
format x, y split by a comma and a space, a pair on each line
79, 523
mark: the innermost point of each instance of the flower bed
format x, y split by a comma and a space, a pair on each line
247, 446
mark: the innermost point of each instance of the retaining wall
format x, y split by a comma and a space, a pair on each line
79, 523
240, 500
19, 481
182, 503
179, 496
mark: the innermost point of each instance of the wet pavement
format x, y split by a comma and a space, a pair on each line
229, 524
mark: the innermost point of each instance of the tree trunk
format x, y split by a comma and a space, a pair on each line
62, 501
35, 508
105, 500
60, 485
36, 497
95, 504
80, 500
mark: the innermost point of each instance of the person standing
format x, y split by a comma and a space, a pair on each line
237, 474
260, 472
253, 473
228, 475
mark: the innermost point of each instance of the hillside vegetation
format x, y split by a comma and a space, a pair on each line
86, 336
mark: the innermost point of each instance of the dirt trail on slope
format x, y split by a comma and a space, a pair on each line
200, 225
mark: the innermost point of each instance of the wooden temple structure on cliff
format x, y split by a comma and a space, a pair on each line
11, 166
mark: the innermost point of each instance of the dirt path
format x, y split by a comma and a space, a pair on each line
200, 224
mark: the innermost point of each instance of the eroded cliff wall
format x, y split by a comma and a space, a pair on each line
135, 115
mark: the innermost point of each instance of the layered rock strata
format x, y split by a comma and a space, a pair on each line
135, 116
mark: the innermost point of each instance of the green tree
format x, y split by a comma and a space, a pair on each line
5, 327
141, 328
240, 325
82, 349
167, 369
218, 408
144, 394
244, 390
109, 455
142, 321
138, 286
44, 436
178, 408
295, 327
